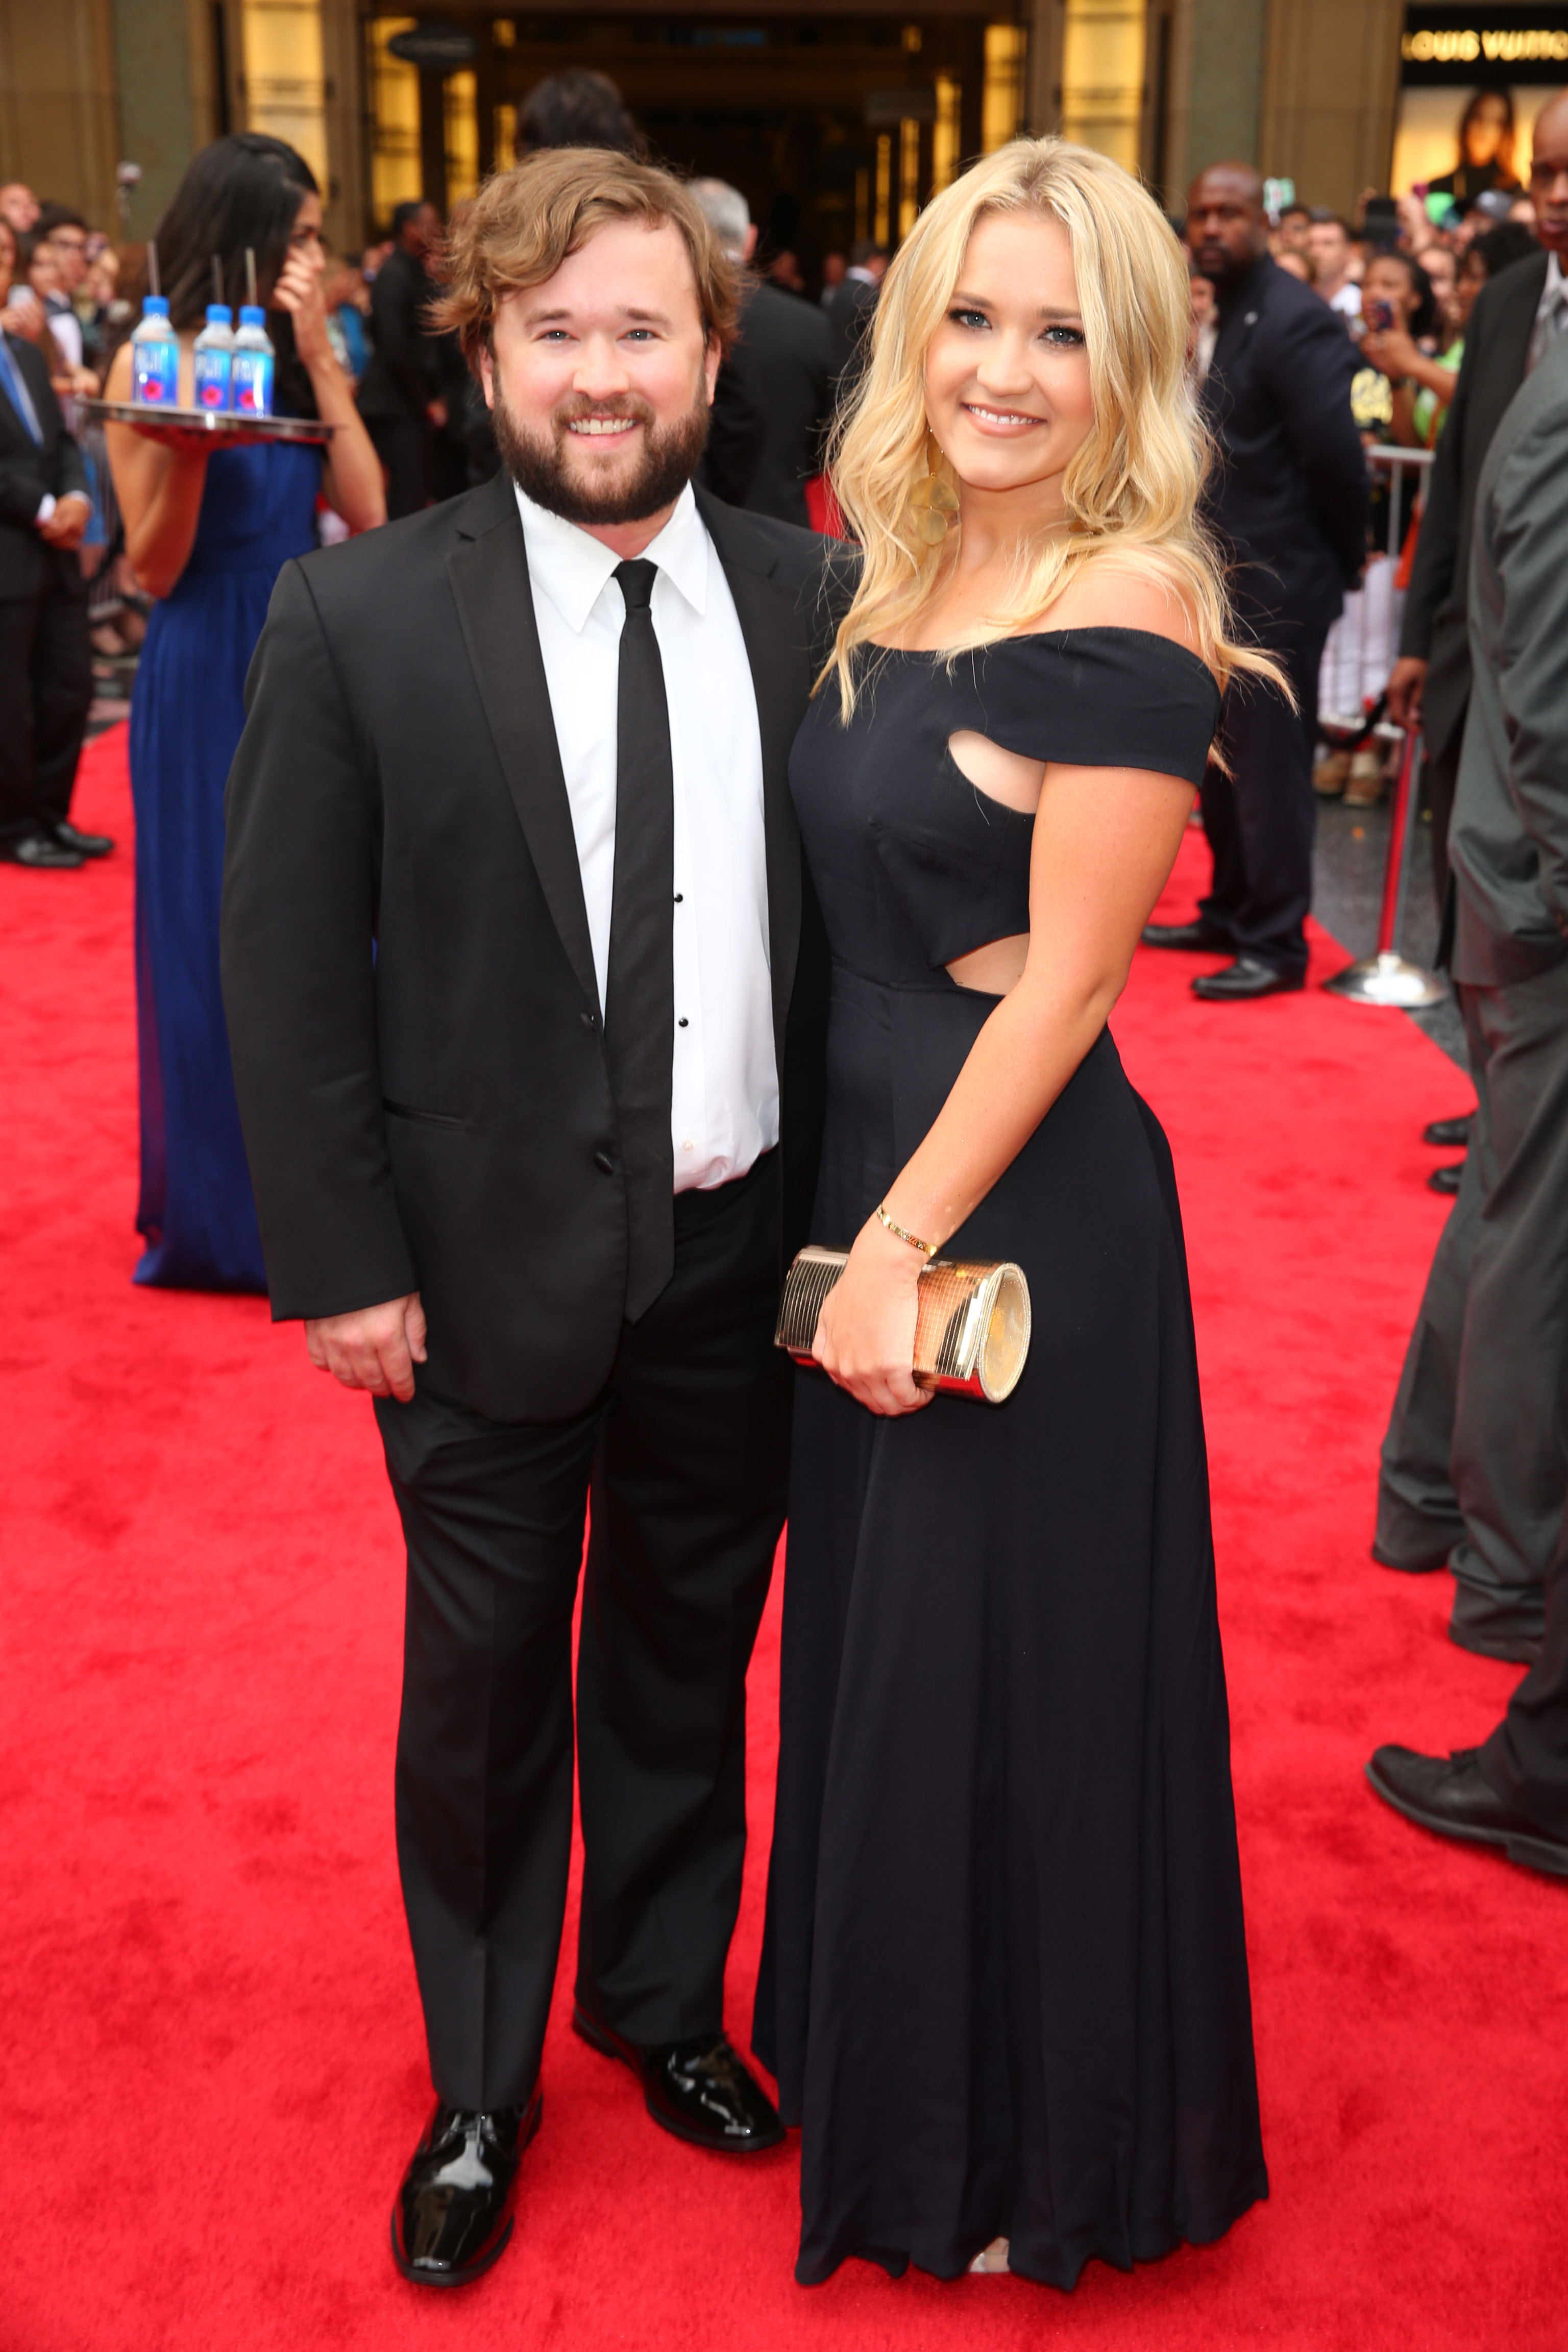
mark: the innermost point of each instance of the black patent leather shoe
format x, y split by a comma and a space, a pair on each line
1450, 1134
702, 2090
41, 851
1197, 934
1446, 1179
86, 845
1245, 980
1451, 1795
453, 2215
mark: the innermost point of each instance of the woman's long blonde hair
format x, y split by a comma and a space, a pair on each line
1132, 491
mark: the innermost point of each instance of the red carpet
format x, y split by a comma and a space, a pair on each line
212, 2045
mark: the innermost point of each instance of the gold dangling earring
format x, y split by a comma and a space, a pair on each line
932, 507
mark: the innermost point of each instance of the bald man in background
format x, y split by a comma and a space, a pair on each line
1287, 501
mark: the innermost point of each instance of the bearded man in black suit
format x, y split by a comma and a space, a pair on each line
526, 987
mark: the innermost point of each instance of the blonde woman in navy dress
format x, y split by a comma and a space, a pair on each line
1004, 1984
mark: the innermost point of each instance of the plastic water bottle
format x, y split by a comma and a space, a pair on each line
215, 357
155, 356
252, 363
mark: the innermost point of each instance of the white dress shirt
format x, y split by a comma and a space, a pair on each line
724, 1092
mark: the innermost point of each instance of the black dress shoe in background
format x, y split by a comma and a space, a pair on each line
86, 845
1450, 1134
1196, 934
1451, 1795
42, 851
1247, 978
453, 2214
1447, 1178
700, 2089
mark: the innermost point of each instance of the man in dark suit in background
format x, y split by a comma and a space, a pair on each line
1475, 1467
527, 993
782, 366
400, 395
850, 314
45, 657
1516, 315
1288, 503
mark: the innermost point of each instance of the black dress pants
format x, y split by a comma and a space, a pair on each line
1260, 819
46, 688
403, 445
1526, 1758
687, 1453
1439, 779
1475, 1460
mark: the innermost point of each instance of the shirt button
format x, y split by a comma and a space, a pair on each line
689, 1145
603, 1163
684, 1022
678, 897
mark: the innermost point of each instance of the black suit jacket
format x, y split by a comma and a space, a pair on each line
1497, 344
1288, 494
850, 317
785, 358
403, 375
406, 968
27, 474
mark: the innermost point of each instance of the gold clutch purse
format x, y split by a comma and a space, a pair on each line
972, 1323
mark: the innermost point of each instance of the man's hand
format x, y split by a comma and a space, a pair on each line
1405, 682
69, 519
376, 1348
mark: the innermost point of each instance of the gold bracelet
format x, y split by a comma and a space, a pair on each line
927, 1249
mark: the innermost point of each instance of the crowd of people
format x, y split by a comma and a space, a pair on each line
433, 1050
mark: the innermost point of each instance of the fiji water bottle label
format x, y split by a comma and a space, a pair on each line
253, 384
213, 379
155, 374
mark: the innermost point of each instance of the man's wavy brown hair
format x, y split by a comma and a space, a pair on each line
523, 224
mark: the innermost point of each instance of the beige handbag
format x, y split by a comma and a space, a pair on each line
972, 1323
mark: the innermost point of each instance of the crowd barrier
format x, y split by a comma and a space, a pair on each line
1357, 660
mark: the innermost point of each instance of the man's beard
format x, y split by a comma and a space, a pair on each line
669, 458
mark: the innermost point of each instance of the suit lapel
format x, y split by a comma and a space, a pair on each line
781, 681
489, 571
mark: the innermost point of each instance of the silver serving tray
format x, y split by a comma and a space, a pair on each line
221, 422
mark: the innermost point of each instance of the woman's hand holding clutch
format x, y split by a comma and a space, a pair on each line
865, 1332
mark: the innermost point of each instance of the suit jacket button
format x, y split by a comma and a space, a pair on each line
603, 1163
590, 1019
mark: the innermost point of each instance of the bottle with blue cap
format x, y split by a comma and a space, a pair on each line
252, 376
215, 358
154, 347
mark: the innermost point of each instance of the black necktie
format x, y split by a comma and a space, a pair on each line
639, 1011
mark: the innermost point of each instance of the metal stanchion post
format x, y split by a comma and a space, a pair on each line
1386, 977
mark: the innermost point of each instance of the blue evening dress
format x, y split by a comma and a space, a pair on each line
196, 1211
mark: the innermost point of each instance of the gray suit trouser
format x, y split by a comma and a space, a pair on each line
1474, 1463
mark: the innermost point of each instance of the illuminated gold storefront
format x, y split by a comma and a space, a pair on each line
837, 117
836, 123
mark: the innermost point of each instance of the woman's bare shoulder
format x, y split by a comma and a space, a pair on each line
1118, 593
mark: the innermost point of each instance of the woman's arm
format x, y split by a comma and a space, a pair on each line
1105, 841
352, 479
159, 484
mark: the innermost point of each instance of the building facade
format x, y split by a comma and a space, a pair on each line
837, 119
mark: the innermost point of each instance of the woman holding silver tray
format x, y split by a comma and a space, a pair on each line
209, 527
1003, 1983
